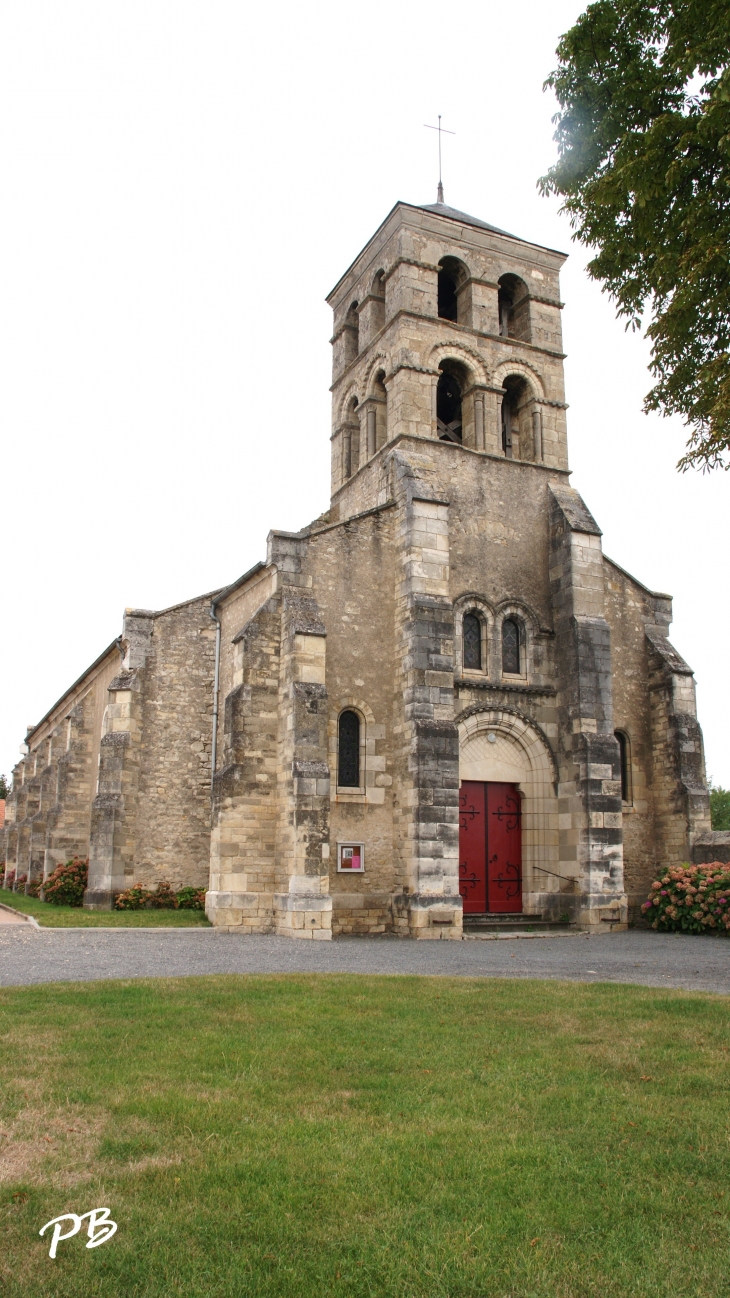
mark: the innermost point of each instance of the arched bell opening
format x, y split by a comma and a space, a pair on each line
452, 277
517, 432
514, 308
449, 400
352, 334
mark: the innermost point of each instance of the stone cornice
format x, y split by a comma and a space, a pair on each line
462, 683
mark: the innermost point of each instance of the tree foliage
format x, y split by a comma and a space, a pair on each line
644, 171
720, 807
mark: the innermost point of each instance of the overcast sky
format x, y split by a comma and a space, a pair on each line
182, 185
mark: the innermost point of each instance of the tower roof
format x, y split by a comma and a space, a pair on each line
443, 209
450, 214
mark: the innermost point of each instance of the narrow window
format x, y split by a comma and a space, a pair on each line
623, 745
510, 647
348, 758
472, 637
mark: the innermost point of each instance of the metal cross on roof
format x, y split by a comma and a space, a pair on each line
442, 131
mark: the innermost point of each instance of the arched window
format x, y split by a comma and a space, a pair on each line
448, 404
348, 750
471, 631
511, 646
625, 752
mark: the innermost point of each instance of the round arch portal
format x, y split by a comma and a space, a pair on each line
500, 746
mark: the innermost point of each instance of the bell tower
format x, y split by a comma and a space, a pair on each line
446, 328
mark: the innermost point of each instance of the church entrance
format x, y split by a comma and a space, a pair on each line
490, 847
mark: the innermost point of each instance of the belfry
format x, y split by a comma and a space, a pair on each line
439, 706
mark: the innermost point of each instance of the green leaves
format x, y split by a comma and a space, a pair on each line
644, 171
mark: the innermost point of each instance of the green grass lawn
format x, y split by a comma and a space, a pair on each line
369, 1137
49, 916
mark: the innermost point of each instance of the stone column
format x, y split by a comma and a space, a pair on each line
590, 782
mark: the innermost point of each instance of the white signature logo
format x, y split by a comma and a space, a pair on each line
100, 1228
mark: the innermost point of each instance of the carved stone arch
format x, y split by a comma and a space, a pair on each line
380, 362
519, 752
345, 701
520, 609
526, 370
488, 717
468, 356
351, 391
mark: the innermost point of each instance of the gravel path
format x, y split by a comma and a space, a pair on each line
656, 960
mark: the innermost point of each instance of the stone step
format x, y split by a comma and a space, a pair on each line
515, 923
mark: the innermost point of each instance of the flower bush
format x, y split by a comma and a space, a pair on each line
191, 899
20, 883
163, 898
34, 888
133, 899
690, 899
9, 879
139, 898
67, 884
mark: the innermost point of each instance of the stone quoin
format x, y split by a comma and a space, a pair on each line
440, 698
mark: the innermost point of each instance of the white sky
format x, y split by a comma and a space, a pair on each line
183, 183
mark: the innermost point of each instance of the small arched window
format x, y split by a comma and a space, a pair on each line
511, 646
625, 755
472, 641
348, 750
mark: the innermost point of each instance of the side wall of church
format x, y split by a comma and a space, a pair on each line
49, 808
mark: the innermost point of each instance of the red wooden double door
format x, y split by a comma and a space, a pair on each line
490, 848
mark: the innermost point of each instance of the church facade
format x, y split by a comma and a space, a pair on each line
437, 703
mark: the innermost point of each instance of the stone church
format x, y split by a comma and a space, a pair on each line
438, 704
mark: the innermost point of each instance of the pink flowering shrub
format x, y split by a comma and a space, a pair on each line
690, 899
67, 884
9, 879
